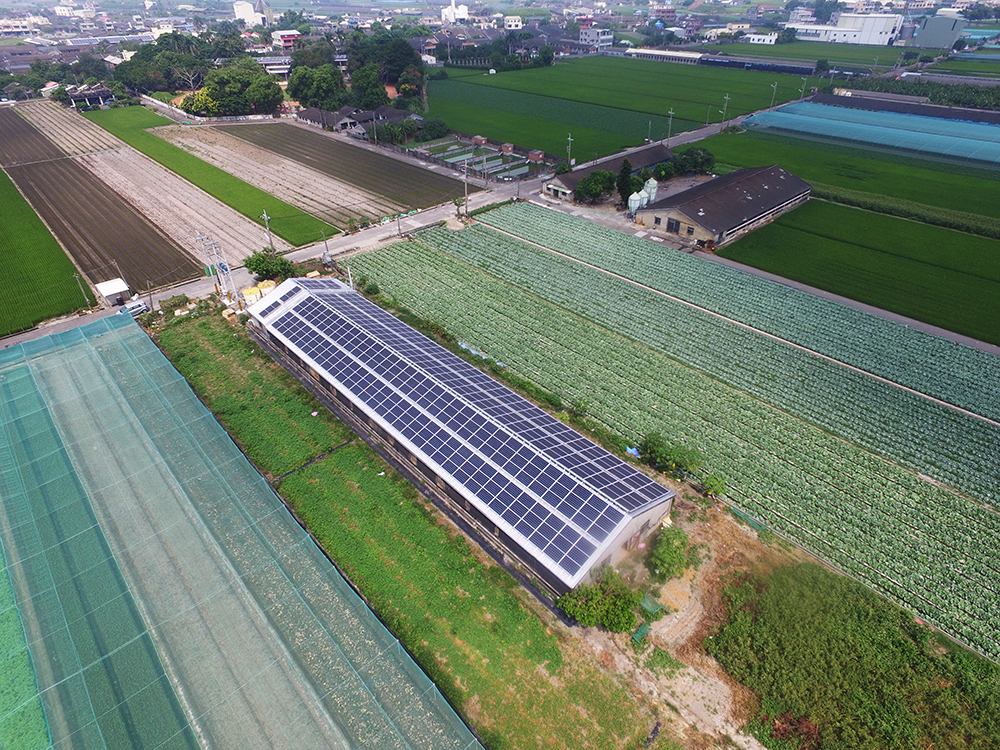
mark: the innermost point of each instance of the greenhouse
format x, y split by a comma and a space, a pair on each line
929, 136
156, 592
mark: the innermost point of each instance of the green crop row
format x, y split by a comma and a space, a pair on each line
39, 282
861, 57
961, 221
288, 222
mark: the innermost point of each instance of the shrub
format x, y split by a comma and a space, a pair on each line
608, 603
668, 554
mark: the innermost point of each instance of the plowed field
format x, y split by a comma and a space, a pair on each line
399, 181
100, 231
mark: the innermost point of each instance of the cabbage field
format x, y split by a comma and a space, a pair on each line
801, 440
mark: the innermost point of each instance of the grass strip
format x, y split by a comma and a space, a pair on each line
464, 621
290, 223
945, 278
39, 282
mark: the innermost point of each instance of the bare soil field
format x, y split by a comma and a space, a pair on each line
314, 192
179, 209
407, 184
99, 230
67, 129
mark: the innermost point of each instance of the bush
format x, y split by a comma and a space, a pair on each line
668, 554
672, 458
264, 265
608, 603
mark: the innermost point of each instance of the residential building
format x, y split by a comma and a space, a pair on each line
513, 23
719, 211
595, 37
879, 29
562, 186
285, 39
760, 38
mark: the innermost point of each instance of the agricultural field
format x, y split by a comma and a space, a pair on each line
178, 208
959, 450
290, 223
40, 278
899, 534
389, 180
963, 189
988, 66
945, 278
851, 56
100, 231
612, 88
913, 359
22, 718
467, 623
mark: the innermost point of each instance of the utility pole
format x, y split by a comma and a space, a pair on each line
649, 132
774, 93
149, 291
802, 93
725, 109
670, 126
267, 225
325, 245
465, 172
708, 114
569, 148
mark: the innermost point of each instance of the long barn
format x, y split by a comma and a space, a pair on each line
561, 505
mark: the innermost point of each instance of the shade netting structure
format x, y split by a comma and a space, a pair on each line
157, 593
936, 137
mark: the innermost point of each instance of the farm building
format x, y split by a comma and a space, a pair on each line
718, 211
551, 500
562, 186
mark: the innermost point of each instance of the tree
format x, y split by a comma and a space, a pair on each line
264, 96
60, 95
822, 66
367, 88
410, 83
786, 35
624, 183
264, 265
322, 87
546, 55
695, 160
434, 128
713, 485
594, 186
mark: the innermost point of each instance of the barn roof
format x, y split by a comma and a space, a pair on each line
729, 201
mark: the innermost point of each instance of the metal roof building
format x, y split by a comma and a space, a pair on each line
719, 211
554, 500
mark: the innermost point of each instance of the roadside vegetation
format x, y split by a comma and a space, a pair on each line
291, 224
40, 283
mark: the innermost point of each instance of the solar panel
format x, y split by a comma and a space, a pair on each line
559, 495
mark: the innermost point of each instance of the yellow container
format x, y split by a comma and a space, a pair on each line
266, 287
252, 294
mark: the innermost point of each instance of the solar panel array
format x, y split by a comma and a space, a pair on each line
80, 41
560, 496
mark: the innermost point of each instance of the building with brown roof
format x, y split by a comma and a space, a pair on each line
719, 211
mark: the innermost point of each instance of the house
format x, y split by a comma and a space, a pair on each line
285, 39
562, 186
760, 38
513, 23
719, 211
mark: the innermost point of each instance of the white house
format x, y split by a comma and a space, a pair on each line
513, 23
760, 38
